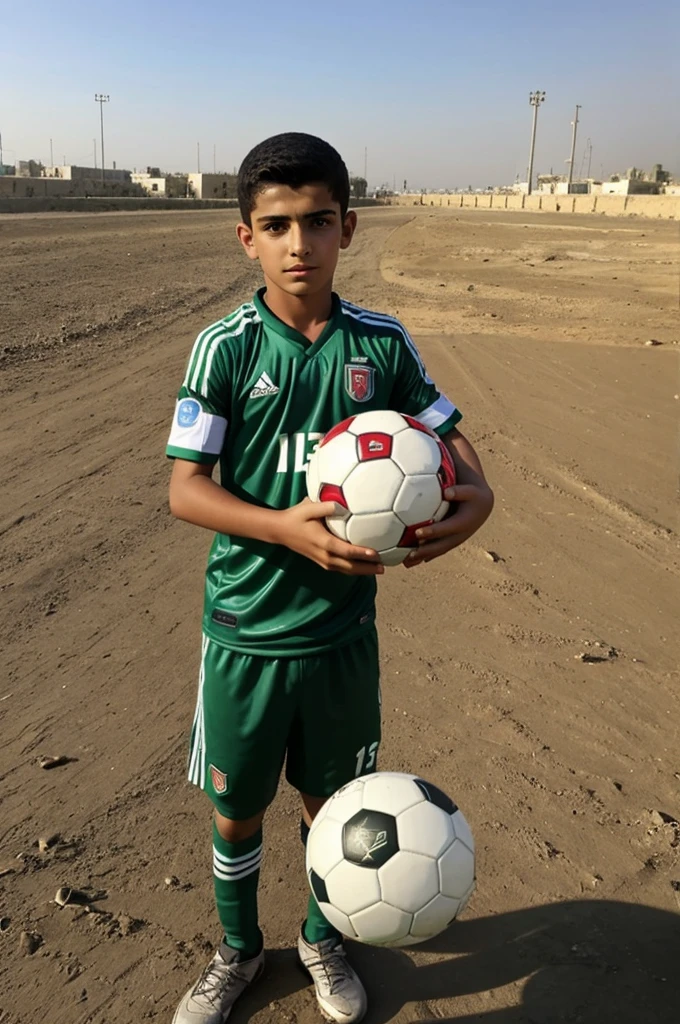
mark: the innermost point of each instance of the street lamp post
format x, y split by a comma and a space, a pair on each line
535, 99
101, 99
574, 126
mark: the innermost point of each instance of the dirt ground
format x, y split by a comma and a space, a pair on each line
539, 686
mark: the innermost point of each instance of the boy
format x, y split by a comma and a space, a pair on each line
289, 663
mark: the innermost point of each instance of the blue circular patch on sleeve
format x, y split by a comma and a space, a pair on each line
188, 412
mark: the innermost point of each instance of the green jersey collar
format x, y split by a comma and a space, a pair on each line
273, 323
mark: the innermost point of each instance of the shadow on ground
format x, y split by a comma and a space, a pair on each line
590, 962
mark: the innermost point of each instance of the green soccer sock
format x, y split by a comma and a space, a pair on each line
236, 873
316, 928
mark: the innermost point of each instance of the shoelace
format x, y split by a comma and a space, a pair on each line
334, 965
217, 978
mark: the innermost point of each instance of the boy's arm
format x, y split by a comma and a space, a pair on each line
475, 501
416, 394
196, 498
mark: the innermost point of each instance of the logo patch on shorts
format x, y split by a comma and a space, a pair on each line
188, 412
218, 779
224, 618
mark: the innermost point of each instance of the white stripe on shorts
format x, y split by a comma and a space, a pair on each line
197, 753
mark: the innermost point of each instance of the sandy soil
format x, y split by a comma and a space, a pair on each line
540, 689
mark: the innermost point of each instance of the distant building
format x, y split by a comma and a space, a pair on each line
558, 185
70, 172
169, 186
636, 182
211, 186
67, 180
630, 187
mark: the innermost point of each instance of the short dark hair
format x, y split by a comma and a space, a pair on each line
293, 159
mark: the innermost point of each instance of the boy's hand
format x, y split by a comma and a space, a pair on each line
301, 529
475, 502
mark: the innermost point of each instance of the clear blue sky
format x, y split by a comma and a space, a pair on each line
437, 91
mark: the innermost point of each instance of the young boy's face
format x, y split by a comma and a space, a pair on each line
297, 235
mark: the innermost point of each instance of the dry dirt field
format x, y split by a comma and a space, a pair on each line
540, 688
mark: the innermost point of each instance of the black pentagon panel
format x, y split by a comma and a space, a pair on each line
318, 887
369, 838
436, 796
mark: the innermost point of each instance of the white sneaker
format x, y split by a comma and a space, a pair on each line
212, 998
339, 992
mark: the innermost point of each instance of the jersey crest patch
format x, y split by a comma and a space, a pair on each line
218, 779
359, 381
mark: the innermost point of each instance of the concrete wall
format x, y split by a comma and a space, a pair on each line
108, 204
665, 206
29, 188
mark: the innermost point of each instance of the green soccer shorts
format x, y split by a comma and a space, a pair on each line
320, 713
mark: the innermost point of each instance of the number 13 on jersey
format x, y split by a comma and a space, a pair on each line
296, 448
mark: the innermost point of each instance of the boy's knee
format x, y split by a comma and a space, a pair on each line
236, 831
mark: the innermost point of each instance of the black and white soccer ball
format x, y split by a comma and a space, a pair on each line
391, 859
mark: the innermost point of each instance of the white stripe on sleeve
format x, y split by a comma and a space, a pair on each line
214, 345
437, 413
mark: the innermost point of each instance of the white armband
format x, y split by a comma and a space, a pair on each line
196, 430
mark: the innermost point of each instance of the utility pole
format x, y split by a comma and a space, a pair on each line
535, 99
51, 155
198, 157
101, 99
574, 125
94, 145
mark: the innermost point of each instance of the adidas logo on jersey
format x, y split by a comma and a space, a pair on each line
265, 386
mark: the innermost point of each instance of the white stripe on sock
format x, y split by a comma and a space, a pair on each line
228, 862
236, 876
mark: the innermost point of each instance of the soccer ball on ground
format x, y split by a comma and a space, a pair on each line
390, 859
387, 474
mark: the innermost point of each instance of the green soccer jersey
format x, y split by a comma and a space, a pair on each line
258, 397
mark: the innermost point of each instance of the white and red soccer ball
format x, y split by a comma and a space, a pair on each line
387, 474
